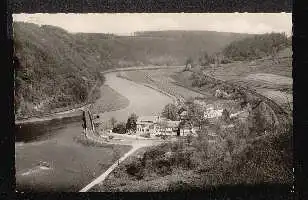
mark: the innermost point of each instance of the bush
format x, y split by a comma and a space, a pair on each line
120, 128
135, 169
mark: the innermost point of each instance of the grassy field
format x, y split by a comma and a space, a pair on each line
273, 80
162, 80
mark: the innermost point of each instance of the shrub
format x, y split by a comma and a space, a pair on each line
154, 152
135, 169
120, 128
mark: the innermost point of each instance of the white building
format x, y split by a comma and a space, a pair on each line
156, 125
147, 124
211, 113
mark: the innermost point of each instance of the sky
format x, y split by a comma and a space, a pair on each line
128, 23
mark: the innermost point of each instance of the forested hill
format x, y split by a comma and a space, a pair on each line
55, 69
161, 47
52, 69
257, 46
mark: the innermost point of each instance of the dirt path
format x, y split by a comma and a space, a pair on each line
135, 143
108, 171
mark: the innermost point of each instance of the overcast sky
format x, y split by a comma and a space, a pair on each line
127, 23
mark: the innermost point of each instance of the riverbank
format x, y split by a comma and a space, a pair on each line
73, 165
66, 113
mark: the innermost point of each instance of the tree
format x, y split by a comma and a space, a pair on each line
225, 116
120, 128
230, 143
188, 63
204, 60
170, 112
113, 121
131, 124
196, 114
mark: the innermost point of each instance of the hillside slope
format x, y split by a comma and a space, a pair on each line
52, 69
56, 69
161, 47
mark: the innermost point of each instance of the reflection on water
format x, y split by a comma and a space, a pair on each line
40, 130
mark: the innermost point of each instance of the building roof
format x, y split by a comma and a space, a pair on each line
182, 109
173, 124
183, 113
147, 119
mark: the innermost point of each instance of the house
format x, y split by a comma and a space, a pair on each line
188, 66
241, 115
185, 128
167, 127
147, 124
221, 94
156, 125
210, 113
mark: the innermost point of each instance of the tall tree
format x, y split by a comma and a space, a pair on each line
196, 114
113, 121
204, 60
170, 111
188, 63
131, 124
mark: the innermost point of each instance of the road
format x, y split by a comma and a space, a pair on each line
127, 140
106, 173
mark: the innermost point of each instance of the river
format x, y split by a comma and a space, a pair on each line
143, 100
73, 165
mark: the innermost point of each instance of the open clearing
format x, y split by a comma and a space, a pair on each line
162, 79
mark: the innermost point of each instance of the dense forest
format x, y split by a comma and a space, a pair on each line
52, 69
257, 46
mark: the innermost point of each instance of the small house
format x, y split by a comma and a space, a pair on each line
212, 113
185, 129
146, 124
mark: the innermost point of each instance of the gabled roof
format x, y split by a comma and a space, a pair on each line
181, 110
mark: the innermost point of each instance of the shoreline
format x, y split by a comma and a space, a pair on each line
62, 114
